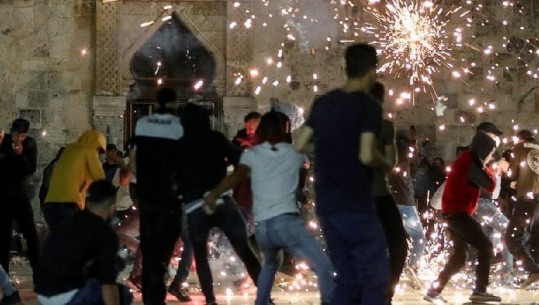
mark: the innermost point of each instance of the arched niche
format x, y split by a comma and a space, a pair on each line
218, 55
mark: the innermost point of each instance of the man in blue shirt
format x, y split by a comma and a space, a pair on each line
344, 124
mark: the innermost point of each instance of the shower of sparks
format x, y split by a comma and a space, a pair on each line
412, 37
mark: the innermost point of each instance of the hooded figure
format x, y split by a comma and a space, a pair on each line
76, 169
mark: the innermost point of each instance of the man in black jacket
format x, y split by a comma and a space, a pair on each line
18, 161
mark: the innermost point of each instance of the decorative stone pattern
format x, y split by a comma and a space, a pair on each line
43, 68
108, 116
208, 27
239, 48
107, 53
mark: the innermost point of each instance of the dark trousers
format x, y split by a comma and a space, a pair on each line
160, 228
186, 258
522, 238
17, 208
228, 219
463, 230
391, 220
56, 213
92, 294
357, 248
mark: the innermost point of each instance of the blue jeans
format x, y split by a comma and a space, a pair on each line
288, 232
91, 294
412, 225
491, 219
5, 284
357, 248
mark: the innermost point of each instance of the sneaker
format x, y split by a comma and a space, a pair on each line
434, 298
532, 278
134, 283
12, 299
180, 293
484, 297
413, 280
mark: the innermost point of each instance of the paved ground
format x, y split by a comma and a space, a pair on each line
311, 298
231, 294
404, 296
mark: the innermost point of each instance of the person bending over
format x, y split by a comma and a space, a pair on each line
79, 263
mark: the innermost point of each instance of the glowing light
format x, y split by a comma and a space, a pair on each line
83, 52
412, 37
145, 24
198, 84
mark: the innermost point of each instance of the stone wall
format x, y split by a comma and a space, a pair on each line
46, 69
312, 53
63, 62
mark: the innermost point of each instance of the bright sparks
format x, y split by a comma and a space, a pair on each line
413, 39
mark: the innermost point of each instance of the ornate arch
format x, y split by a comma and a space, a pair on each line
220, 67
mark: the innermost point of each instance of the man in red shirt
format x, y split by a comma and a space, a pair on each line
459, 202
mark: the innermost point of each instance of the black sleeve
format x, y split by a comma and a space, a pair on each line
104, 266
371, 120
311, 120
477, 176
232, 153
28, 159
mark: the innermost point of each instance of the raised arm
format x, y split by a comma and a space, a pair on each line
241, 172
304, 143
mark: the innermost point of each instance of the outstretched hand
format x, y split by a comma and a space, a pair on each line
210, 200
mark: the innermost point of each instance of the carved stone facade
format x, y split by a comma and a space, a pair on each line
120, 34
59, 60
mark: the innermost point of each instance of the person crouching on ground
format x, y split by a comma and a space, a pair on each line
85, 270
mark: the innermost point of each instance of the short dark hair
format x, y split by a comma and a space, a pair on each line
378, 91
525, 135
253, 115
20, 126
111, 147
461, 149
195, 119
272, 125
360, 58
165, 95
101, 194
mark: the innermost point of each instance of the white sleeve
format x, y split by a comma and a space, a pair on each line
246, 158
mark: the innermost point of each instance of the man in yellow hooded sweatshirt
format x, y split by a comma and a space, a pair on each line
76, 169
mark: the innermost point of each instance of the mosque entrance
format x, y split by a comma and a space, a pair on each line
172, 57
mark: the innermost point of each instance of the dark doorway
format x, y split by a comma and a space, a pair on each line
172, 57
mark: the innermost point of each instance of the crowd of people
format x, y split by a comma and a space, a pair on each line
161, 198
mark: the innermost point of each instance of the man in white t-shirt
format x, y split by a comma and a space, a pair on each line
274, 167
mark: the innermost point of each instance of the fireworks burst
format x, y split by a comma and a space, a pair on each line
413, 39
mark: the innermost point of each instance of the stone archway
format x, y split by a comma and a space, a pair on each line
218, 55
119, 35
